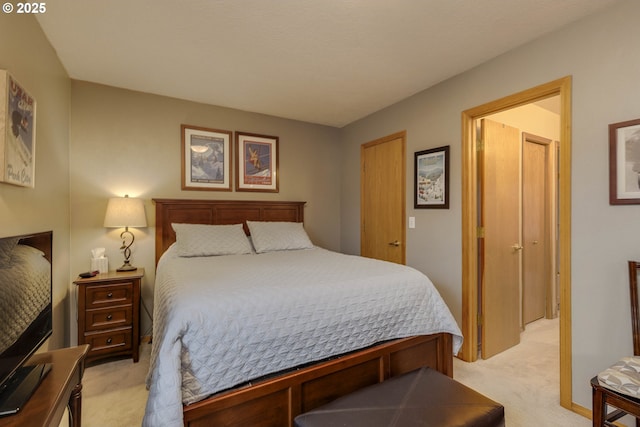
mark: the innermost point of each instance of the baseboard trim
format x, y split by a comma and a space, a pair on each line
581, 410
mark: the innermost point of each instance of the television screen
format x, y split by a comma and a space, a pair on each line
25, 305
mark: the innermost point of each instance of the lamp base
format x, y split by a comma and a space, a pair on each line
127, 267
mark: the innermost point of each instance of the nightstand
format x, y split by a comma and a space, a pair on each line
109, 314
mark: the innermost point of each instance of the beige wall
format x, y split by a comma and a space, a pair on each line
27, 55
602, 56
125, 142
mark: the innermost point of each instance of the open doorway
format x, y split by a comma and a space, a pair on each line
517, 184
470, 212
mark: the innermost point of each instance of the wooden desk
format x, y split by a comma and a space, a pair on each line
61, 387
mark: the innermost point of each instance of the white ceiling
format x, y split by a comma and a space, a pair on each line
322, 61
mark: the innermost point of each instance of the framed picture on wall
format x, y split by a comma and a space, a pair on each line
431, 179
17, 133
624, 163
206, 159
257, 168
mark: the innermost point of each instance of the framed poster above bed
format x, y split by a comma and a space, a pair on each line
257, 168
206, 158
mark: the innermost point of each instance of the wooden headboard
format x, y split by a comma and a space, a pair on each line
218, 212
42, 241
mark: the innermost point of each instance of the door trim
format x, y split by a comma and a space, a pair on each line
469, 325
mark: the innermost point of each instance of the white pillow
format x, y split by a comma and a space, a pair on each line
278, 236
207, 240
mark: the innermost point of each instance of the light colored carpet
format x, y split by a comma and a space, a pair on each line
525, 379
114, 393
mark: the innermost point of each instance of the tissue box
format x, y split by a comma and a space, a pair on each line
100, 264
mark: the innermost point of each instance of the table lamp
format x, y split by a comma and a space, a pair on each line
125, 212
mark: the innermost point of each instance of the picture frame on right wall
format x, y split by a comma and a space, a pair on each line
624, 163
431, 179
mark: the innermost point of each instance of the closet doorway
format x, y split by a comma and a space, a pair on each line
471, 214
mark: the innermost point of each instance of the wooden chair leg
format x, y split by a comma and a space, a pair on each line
599, 408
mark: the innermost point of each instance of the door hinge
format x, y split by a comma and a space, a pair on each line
480, 146
480, 232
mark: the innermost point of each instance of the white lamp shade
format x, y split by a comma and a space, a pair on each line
125, 212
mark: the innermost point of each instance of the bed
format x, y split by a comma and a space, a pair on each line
256, 346
28, 270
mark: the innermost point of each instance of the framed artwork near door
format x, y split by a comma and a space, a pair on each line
431, 179
624, 163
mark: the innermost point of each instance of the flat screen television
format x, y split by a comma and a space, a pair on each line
25, 314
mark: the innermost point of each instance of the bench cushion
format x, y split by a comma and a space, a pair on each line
424, 397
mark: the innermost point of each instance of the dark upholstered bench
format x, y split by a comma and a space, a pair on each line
423, 397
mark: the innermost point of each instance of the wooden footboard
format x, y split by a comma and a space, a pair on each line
275, 402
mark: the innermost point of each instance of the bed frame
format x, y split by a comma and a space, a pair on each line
41, 241
276, 401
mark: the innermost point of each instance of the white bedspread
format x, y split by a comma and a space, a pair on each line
223, 321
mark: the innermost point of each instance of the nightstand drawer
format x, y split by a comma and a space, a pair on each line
108, 318
111, 294
109, 342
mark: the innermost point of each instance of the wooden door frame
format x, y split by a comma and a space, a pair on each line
469, 351
398, 135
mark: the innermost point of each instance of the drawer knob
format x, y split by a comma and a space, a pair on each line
109, 317
110, 295
109, 340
